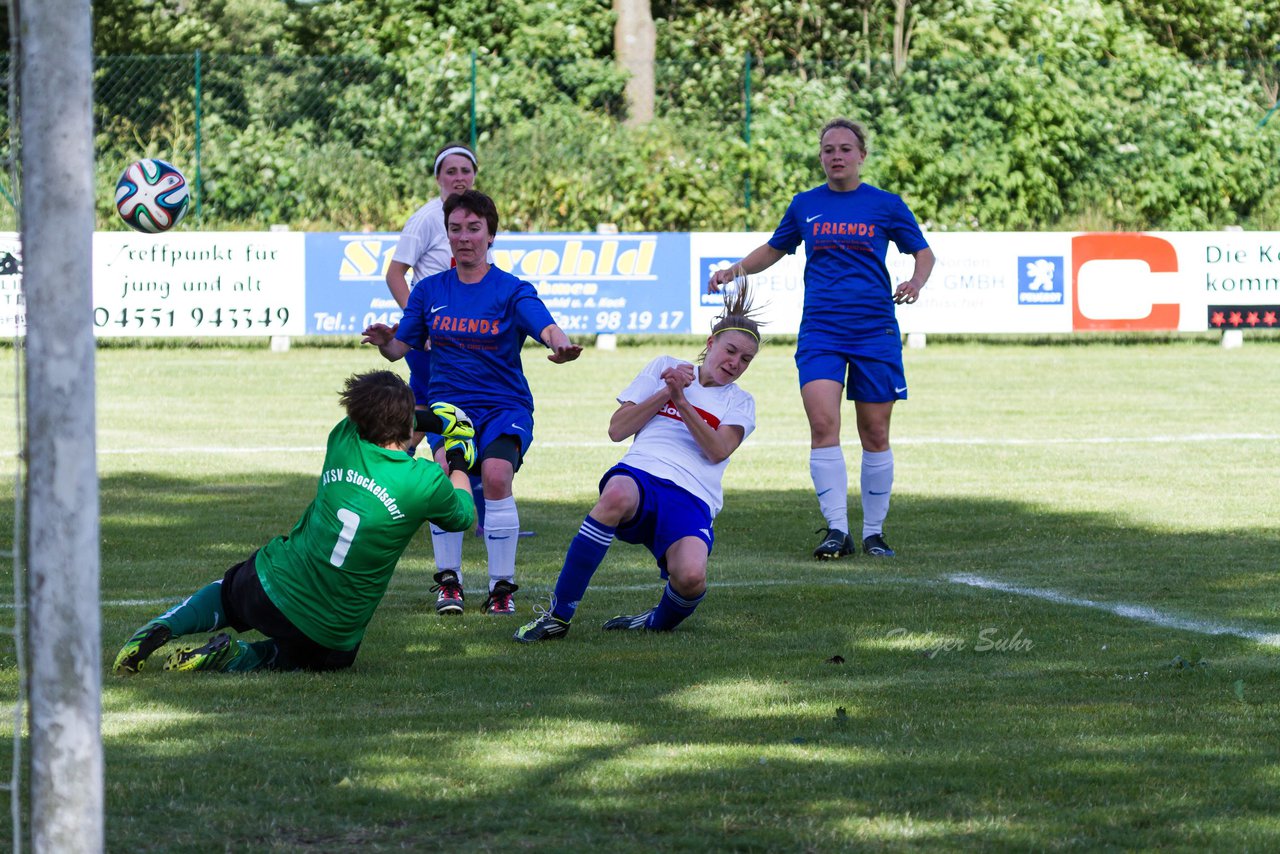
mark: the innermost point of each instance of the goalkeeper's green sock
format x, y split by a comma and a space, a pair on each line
200, 612
251, 656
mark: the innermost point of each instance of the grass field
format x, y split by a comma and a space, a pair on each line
1076, 647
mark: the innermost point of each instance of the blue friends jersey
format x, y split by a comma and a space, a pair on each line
476, 332
847, 291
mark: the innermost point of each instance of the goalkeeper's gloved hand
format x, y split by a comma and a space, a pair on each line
460, 454
446, 420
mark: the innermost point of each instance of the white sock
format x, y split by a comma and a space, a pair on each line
447, 546
831, 482
501, 534
877, 483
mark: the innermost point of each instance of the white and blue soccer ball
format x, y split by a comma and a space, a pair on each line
152, 196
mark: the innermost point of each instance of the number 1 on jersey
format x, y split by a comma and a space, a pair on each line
350, 521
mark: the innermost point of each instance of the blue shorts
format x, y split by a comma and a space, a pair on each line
419, 363
878, 378
667, 513
493, 423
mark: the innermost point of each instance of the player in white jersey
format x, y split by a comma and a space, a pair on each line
666, 490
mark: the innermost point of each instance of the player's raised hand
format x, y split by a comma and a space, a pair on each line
723, 276
379, 334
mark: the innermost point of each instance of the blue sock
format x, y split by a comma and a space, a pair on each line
586, 551
199, 612
673, 609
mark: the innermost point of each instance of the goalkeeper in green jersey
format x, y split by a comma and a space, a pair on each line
313, 591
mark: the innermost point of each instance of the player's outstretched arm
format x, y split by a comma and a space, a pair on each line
563, 350
761, 258
384, 338
460, 513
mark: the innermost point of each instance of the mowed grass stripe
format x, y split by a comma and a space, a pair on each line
1147, 483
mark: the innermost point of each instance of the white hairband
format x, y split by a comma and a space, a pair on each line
455, 150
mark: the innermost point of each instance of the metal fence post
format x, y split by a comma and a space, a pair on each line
746, 132
199, 185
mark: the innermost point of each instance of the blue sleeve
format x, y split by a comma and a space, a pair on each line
415, 322
531, 313
787, 236
904, 229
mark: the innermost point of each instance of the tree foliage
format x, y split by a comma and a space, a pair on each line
1008, 114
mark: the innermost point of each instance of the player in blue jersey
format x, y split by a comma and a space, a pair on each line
475, 318
666, 490
423, 249
849, 335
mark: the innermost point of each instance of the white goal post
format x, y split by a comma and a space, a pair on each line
54, 77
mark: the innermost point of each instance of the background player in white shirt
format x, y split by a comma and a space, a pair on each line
666, 491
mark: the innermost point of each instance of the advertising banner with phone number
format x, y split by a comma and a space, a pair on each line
592, 283
194, 284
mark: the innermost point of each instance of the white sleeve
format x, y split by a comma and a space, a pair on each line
423, 245
648, 382
742, 412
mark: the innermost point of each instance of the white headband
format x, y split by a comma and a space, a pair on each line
455, 150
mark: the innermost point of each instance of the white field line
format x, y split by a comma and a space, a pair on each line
1140, 613
772, 443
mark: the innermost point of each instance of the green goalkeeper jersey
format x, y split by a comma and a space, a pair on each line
331, 571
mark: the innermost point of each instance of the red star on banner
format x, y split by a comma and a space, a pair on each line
1252, 319
1218, 319
1235, 319
1269, 318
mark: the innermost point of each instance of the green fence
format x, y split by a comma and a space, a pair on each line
346, 142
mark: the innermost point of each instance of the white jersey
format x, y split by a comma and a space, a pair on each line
665, 448
424, 244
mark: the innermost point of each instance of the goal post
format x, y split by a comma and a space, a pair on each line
64, 659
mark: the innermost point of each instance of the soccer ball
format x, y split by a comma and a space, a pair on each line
152, 196
454, 422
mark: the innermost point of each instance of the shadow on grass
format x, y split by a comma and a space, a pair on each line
734, 733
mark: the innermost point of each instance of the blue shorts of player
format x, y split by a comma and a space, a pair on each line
247, 606
493, 423
877, 377
667, 513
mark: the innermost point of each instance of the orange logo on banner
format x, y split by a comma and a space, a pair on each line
1160, 257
